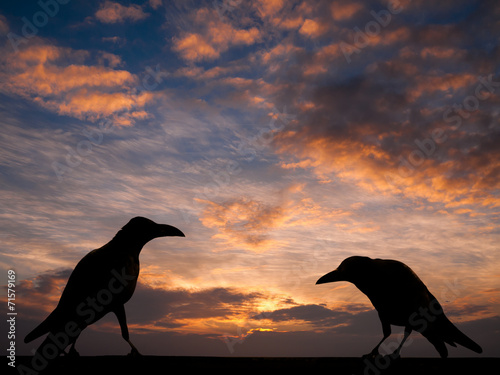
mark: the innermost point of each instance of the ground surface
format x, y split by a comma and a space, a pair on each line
231, 365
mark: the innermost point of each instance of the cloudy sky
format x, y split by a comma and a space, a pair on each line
281, 137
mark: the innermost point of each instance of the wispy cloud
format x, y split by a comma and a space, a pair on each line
250, 224
243, 222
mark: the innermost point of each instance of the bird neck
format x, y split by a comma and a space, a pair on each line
363, 285
132, 244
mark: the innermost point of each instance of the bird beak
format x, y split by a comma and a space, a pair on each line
330, 277
168, 230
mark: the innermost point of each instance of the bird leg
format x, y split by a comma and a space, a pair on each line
395, 354
386, 330
134, 352
72, 351
122, 319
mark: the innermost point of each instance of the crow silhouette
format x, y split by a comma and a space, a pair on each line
102, 282
401, 299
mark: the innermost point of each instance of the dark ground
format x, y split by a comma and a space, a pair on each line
231, 365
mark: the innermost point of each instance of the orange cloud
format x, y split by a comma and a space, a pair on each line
277, 57
394, 36
196, 72
248, 224
44, 290
111, 12
52, 80
57, 78
155, 4
320, 61
214, 38
281, 14
349, 160
268, 8
376, 170
289, 23
313, 28
442, 52
85, 103
194, 47
344, 10
449, 82
243, 222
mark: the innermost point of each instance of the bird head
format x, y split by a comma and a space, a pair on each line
145, 229
351, 269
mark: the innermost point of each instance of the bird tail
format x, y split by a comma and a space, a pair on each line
37, 332
41, 329
47, 353
452, 335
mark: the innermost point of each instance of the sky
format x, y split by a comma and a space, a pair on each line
281, 137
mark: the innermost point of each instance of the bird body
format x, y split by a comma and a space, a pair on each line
403, 293
401, 299
102, 282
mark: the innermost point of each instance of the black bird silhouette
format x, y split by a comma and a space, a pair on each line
401, 299
102, 282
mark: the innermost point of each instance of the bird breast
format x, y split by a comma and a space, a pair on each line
125, 275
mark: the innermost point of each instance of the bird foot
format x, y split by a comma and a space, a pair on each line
370, 356
394, 356
72, 353
134, 353
381, 363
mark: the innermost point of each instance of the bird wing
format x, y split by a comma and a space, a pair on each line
85, 279
83, 282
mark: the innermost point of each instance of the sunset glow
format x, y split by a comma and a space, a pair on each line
281, 137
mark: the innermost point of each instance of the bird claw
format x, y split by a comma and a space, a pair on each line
394, 356
134, 353
72, 353
370, 356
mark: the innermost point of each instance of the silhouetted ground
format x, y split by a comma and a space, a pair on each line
232, 365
